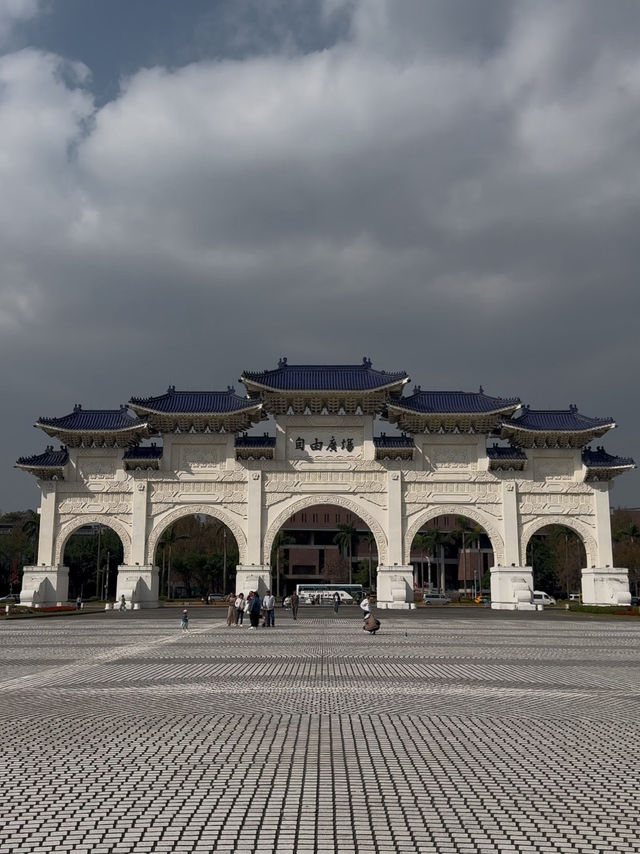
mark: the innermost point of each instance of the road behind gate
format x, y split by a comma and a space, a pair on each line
450, 731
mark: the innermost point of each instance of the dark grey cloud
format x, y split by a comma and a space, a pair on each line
448, 188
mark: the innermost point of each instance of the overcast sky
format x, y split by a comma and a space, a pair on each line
194, 189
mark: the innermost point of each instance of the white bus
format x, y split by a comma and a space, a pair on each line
322, 594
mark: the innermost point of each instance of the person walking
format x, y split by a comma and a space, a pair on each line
123, 603
336, 602
240, 609
184, 620
295, 602
78, 602
254, 610
269, 605
231, 609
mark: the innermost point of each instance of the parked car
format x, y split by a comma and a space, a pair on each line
542, 598
11, 599
635, 600
435, 599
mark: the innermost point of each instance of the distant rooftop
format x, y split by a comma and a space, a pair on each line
194, 402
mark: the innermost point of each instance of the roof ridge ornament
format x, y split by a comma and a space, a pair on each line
282, 362
573, 408
171, 389
417, 389
480, 390
231, 389
366, 362
77, 407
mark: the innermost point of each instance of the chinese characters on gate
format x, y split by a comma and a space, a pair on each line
331, 445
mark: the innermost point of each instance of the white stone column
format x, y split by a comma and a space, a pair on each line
254, 575
512, 584
48, 527
139, 524
394, 582
510, 529
603, 524
604, 584
46, 583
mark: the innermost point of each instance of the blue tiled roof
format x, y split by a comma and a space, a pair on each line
194, 402
324, 377
93, 420
384, 441
143, 452
497, 453
255, 441
49, 459
552, 420
601, 459
462, 402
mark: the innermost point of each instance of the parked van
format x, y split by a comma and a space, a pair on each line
542, 598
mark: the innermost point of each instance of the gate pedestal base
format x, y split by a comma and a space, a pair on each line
512, 588
395, 588
44, 585
138, 585
256, 578
605, 586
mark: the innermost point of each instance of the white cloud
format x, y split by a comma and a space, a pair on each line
12, 11
363, 198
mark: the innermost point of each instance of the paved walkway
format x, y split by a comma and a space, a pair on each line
448, 732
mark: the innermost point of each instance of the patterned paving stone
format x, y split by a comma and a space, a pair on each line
459, 733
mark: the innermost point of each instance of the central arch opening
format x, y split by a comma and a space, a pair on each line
452, 554
197, 557
323, 544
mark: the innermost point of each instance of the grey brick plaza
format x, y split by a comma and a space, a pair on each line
449, 731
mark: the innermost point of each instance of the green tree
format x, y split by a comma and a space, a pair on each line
626, 547
344, 539
541, 559
436, 540
169, 539
467, 532
279, 555
422, 543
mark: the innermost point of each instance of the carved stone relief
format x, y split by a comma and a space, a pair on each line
546, 468
444, 457
97, 469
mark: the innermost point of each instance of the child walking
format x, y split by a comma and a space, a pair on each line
184, 622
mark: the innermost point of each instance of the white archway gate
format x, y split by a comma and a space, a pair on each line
325, 451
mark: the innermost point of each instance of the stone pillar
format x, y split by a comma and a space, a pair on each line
510, 523
512, 588
254, 577
44, 585
254, 518
48, 528
394, 582
603, 525
139, 524
139, 586
605, 586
